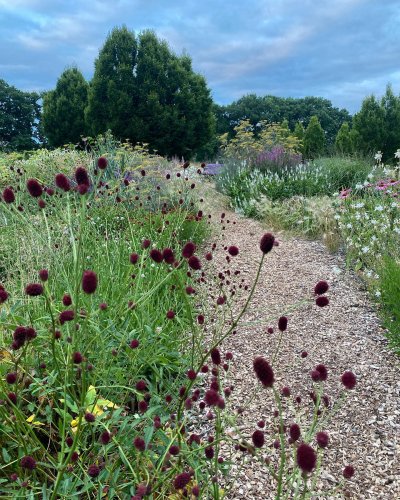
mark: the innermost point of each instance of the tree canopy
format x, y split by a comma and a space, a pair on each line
19, 117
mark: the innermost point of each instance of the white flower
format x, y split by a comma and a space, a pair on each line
377, 293
337, 217
378, 156
397, 154
359, 186
368, 273
365, 249
360, 204
349, 225
379, 208
394, 205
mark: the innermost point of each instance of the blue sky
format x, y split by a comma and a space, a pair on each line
342, 50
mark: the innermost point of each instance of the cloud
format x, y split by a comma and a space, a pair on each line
338, 49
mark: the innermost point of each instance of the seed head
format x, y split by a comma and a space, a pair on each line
156, 255
322, 301
102, 163
44, 274
321, 287
89, 282
34, 289
134, 257
93, 470
34, 188
322, 439
233, 250
139, 444
182, 480
267, 243
349, 380
28, 462
194, 263
8, 195
263, 371
81, 176
282, 323
188, 250
348, 472
258, 439
294, 432
216, 356
306, 458
62, 182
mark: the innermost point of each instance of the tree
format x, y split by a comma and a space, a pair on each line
369, 123
143, 92
344, 142
390, 105
63, 114
314, 139
19, 118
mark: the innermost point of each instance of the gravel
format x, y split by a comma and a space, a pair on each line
346, 335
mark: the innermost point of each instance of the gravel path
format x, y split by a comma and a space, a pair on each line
344, 336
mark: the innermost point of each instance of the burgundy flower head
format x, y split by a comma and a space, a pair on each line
77, 357
182, 480
141, 385
258, 439
66, 300
93, 470
11, 378
168, 256
263, 371
102, 163
28, 462
89, 282
34, 289
8, 195
134, 257
216, 356
322, 301
306, 457
348, 472
62, 182
156, 255
139, 444
321, 287
282, 323
267, 243
211, 397
170, 314
44, 274
323, 372
294, 432
81, 176
349, 380
194, 263
34, 188
188, 250
3, 295
233, 250
322, 439
146, 244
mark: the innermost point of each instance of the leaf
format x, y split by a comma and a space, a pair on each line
90, 397
6, 456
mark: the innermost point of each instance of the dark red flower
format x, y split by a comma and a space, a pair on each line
209, 452
8, 195
267, 243
208, 256
323, 372
81, 176
348, 472
221, 301
233, 250
182, 480
12, 397
294, 432
191, 374
170, 314
105, 437
44, 274
196, 491
142, 406
62, 182
322, 301
34, 289
134, 257
322, 439
194, 263
156, 255
349, 380
304, 354
186, 164
200, 319
282, 323
93, 470
258, 439
34, 188
139, 444
146, 244
77, 357
83, 188
188, 250
315, 375
211, 397
174, 450
306, 457
263, 371
28, 462
102, 163
11, 378
66, 300
89, 417
321, 287
286, 391
168, 256
3, 295
190, 290
30, 333
216, 356
134, 344
89, 282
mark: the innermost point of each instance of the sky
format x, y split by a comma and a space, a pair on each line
342, 50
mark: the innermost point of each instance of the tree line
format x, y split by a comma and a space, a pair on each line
143, 92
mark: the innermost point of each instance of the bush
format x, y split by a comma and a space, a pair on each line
389, 288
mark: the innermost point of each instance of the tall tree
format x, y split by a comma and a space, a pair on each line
19, 118
344, 142
369, 123
314, 139
63, 115
390, 105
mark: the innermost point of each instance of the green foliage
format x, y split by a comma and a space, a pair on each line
143, 92
391, 132
314, 139
276, 109
389, 286
369, 124
63, 116
344, 141
18, 118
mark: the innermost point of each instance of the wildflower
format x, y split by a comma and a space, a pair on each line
134, 344
306, 457
89, 282
304, 354
323, 372
141, 385
168, 255
30, 333
322, 439
209, 452
196, 491
378, 156
89, 417
8, 195
263, 371
3, 295
12, 397
233, 250
139, 444
221, 301
83, 188
93, 470
194, 263
282, 323
349, 380
286, 391
211, 397
294, 432
190, 290
11, 378
188, 250
170, 314
321, 287
322, 301
134, 257
34, 188
66, 300
216, 356
44, 274
156, 255
182, 480
102, 162
258, 439
81, 176
62, 182
145, 244
103, 306
200, 319
348, 472
142, 406
28, 462
191, 374
174, 450
34, 289
267, 242
77, 357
